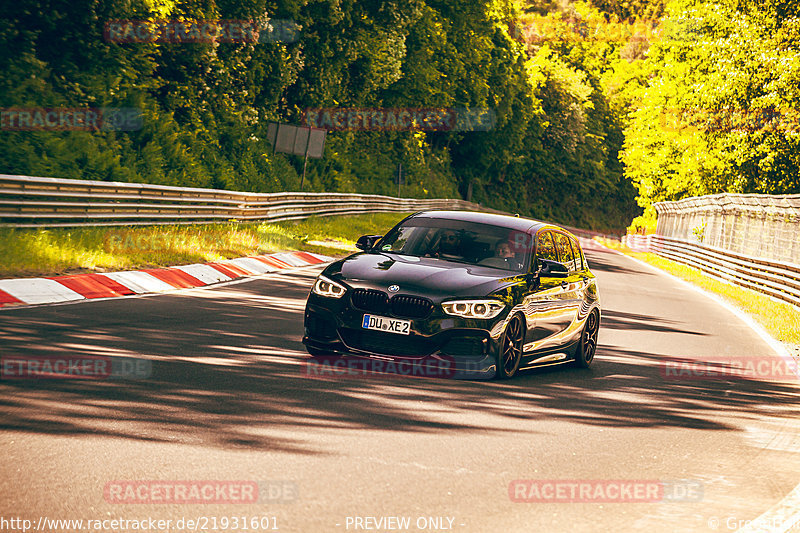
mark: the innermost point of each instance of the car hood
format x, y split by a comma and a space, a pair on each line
434, 278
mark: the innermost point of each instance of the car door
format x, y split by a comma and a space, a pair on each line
588, 289
572, 286
546, 307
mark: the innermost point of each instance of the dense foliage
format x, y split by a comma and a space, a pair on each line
718, 111
566, 101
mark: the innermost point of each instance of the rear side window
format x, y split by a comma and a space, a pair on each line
564, 251
578, 254
546, 249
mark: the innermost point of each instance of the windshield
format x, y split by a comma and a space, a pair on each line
462, 242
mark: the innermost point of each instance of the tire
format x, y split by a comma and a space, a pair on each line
510, 354
587, 346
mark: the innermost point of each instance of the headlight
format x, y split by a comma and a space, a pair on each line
473, 308
330, 289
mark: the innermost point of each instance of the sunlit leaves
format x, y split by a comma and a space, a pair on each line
725, 75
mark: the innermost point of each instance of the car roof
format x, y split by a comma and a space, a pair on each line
507, 221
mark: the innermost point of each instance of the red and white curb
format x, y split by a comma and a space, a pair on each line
58, 289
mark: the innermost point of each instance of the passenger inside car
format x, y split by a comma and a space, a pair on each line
504, 257
504, 250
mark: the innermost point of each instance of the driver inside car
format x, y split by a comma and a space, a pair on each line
449, 244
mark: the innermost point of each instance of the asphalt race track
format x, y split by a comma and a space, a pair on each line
227, 398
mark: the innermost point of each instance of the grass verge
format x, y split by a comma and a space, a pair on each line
780, 319
56, 251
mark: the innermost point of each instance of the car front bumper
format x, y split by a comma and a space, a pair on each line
446, 346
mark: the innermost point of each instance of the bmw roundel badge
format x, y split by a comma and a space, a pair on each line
394, 288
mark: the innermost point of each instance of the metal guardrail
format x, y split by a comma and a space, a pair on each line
778, 279
636, 242
762, 225
27, 201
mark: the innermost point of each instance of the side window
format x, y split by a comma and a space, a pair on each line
545, 248
564, 251
578, 254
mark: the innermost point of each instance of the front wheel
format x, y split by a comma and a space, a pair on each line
511, 349
584, 353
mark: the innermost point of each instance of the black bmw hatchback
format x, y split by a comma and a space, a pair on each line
489, 294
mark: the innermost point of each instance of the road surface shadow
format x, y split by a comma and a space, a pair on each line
228, 371
603, 259
613, 319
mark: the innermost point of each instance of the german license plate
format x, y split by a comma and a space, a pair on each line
382, 323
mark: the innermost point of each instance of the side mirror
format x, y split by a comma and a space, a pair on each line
552, 269
366, 242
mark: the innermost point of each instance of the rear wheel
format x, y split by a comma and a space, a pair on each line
511, 349
584, 353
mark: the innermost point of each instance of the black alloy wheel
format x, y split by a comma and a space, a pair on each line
584, 353
511, 349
